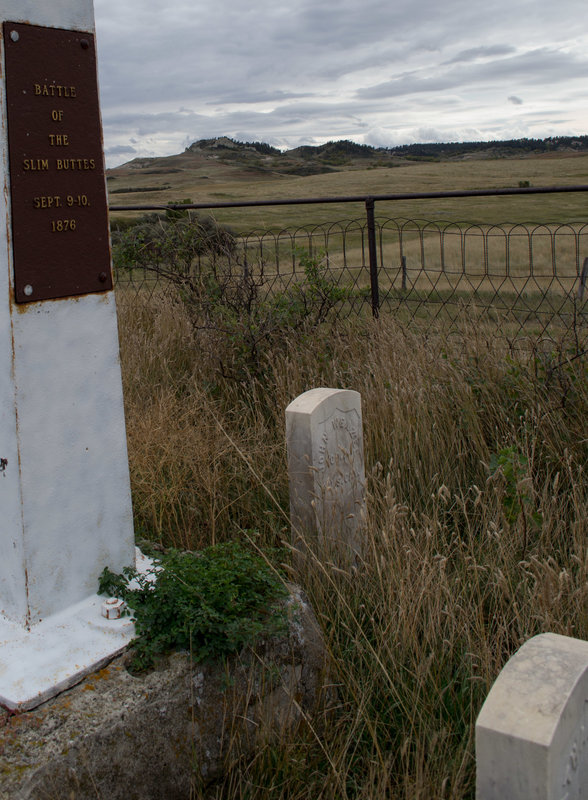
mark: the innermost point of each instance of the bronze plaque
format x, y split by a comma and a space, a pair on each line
60, 235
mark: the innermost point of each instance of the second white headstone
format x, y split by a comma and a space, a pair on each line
532, 731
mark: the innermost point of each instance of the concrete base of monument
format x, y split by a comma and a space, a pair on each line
59, 651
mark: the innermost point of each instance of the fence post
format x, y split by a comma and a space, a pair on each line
373, 256
582, 282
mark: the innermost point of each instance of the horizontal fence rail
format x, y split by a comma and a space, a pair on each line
517, 279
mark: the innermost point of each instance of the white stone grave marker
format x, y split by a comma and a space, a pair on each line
65, 506
532, 731
326, 471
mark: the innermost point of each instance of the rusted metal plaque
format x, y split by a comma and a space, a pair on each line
60, 236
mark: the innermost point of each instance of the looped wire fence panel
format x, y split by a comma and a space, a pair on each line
518, 279
523, 279
515, 280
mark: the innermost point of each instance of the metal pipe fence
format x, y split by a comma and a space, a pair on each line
517, 279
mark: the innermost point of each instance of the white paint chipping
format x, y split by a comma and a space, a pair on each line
65, 491
76, 505
65, 503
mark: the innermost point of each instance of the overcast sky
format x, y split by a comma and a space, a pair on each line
380, 72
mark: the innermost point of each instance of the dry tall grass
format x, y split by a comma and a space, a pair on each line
459, 569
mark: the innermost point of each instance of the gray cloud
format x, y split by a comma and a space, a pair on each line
243, 96
120, 150
477, 53
542, 66
516, 101
290, 73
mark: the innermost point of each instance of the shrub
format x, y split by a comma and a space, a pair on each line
255, 318
211, 603
173, 246
247, 309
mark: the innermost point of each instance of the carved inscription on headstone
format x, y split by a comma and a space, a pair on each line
326, 471
339, 469
58, 196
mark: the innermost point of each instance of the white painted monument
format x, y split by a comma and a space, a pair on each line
532, 731
326, 471
65, 506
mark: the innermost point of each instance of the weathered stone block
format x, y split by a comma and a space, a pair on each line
161, 734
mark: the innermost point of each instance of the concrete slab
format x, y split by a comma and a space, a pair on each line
59, 651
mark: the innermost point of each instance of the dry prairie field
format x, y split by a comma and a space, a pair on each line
217, 187
456, 251
476, 455
476, 539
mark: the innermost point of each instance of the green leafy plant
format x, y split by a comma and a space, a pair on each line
178, 213
177, 246
319, 293
223, 291
211, 603
517, 502
246, 306
243, 302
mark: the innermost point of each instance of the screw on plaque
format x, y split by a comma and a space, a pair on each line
102, 277
14, 35
85, 44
